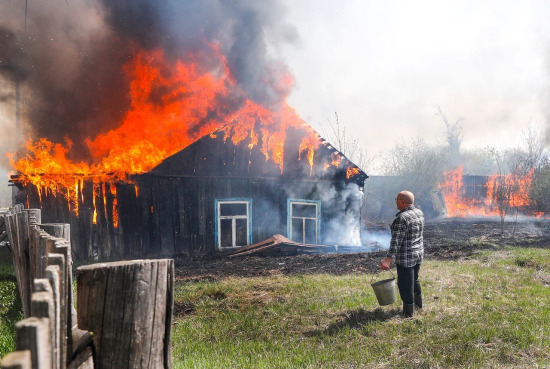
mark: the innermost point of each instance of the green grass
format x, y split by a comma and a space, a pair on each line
10, 304
488, 311
491, 310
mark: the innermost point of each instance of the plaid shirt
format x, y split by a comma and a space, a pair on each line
407, 246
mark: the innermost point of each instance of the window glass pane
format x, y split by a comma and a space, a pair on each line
297, 230
228, 209
311, 236
225, 233
304, 210
241, 225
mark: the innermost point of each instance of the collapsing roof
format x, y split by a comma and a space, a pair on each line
216, 154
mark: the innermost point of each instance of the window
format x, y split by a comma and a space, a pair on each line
233, 223
303, 220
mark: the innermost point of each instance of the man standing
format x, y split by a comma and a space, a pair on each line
407, 248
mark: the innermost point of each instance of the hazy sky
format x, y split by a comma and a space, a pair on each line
384, 65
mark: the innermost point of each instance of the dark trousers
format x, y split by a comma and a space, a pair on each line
407, 282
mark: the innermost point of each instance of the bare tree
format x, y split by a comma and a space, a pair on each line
503, 188
535, 153
535, 160
453, 136
349, 146
419, 165
477, 161
540, 188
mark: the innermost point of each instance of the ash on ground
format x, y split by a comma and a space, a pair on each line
446, 238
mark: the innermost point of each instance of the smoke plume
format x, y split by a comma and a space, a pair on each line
67, 56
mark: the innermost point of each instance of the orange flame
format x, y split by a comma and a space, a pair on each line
104, 200
172, 105
76, 187
335, 161
94, 194
47, 166
115, 205
154, 129
502, 192
351, 171
308, 145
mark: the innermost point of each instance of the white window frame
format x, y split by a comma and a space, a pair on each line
317, 205
233, 218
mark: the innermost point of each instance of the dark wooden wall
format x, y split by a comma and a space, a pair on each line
176, 216
475, 187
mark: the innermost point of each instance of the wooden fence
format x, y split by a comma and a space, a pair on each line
113, 304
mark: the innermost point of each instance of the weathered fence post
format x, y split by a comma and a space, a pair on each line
128, 307
17, 360
48, 339
20, 254
34, 215
43, 306
53, 274
33, 334
57, 263
60, 230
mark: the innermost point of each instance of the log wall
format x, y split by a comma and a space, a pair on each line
171, 215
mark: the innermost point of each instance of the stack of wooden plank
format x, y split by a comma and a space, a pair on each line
280, 245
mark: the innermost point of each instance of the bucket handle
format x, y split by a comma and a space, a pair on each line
389, 270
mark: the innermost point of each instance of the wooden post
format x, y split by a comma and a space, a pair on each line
3, 233
41, 255
128, 307
33, 252
20, 262
58, 261
43, 306
61, 230
33, 334
63, 247
22, 232
35, 216
53, 274
17, 360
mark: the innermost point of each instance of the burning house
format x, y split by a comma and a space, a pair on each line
214, 195
156, 136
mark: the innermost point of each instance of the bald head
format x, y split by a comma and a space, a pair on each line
404, 199
407, 197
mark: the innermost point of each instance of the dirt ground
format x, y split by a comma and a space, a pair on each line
448, 238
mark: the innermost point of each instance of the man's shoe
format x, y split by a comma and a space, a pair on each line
408, 310
418, 302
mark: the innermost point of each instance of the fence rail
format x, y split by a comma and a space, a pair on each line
49, 336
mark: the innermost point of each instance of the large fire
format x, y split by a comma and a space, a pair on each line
500, 194
172, 105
